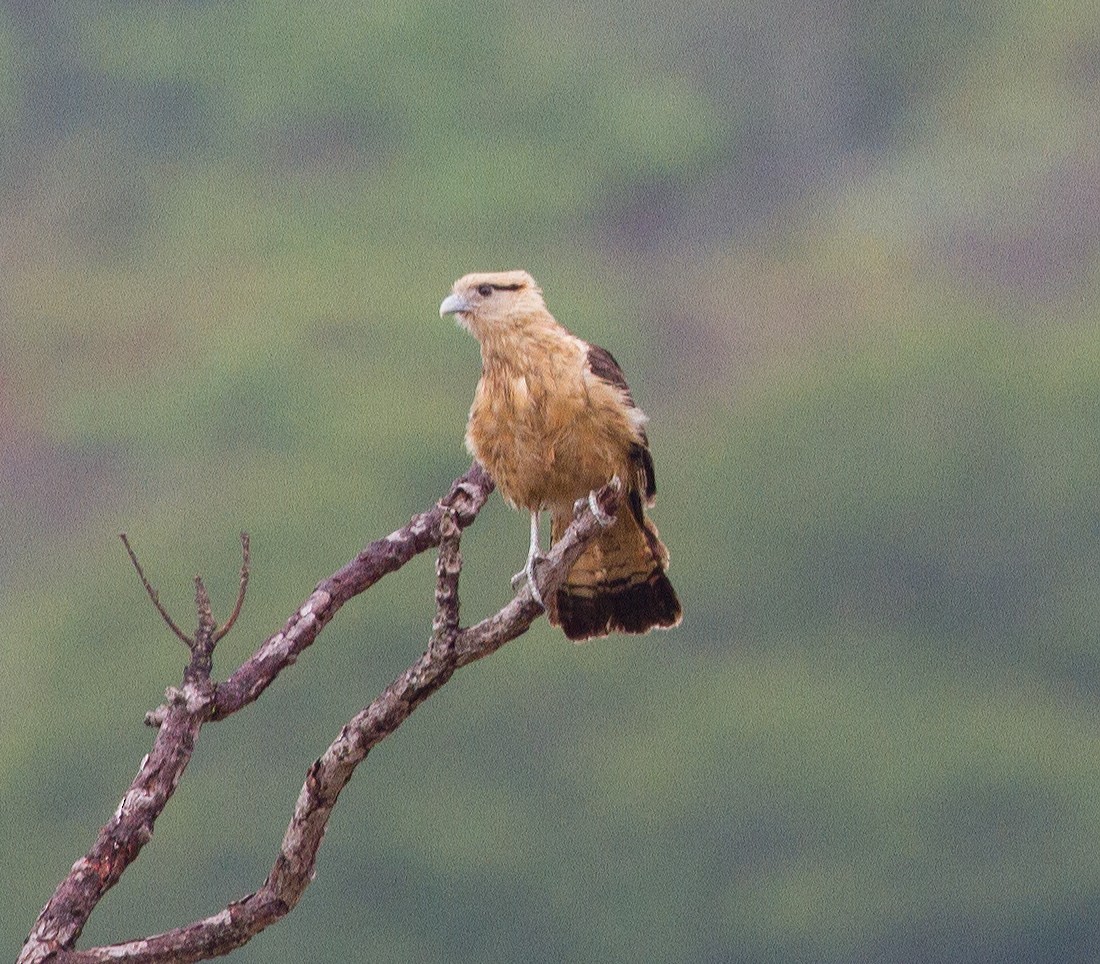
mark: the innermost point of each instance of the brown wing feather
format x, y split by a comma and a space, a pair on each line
602, 364
619, 583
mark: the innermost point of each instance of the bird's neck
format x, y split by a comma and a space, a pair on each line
521, 344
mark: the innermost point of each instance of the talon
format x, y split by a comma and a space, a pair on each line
601, 517
535, 594
528, 573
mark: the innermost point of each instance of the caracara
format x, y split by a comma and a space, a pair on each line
552, 421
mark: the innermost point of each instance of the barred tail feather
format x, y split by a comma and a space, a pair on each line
618, 585
637, 608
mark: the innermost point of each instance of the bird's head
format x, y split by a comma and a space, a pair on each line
489, 302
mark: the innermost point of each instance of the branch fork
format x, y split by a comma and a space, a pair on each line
199, 700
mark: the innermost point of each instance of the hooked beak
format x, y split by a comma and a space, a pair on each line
453, 305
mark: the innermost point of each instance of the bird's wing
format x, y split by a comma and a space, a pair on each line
602, 364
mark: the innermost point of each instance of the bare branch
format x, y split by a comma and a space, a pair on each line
129, 829
179, 720
466, 497
515, 619
203, 608
154, 595
447, 568
295, 864
246, 566
202, 646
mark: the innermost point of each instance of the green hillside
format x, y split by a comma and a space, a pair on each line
849, 257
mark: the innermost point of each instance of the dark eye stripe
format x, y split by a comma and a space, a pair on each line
487, 288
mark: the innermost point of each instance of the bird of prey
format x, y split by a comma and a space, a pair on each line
552, 421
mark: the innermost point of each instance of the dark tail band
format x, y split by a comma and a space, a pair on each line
636, 607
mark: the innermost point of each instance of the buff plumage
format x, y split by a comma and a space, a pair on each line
552, 420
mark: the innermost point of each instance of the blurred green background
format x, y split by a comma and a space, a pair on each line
849, 257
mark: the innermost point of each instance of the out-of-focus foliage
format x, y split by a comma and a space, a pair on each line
849, 256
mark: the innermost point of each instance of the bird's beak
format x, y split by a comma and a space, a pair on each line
452, 305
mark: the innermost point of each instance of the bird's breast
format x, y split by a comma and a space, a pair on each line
540, 437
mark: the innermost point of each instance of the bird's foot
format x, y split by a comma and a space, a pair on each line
603, 518
527, 574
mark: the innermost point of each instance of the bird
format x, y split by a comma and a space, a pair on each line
552, 421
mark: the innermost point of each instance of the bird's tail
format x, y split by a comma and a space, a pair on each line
618, 585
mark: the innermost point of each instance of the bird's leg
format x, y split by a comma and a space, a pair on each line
533, 555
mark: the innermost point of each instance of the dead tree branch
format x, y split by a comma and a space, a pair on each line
242, 590
154, 596
199, 701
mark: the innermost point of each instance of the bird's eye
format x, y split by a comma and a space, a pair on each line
484, 290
